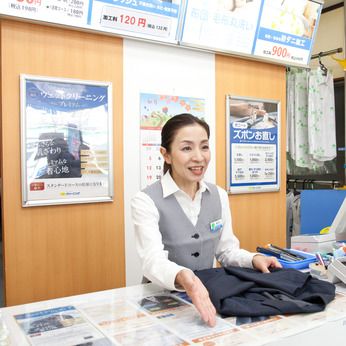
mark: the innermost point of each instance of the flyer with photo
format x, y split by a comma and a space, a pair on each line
160, 304
59, 327
182, 318
127, 324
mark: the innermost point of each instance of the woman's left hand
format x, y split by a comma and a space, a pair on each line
263, 263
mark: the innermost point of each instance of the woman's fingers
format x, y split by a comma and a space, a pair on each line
263, 263
200, 298
199, 295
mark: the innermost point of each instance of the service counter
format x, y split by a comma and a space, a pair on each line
148, 315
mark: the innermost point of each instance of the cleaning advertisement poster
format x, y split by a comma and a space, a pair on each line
253, 145
66, 141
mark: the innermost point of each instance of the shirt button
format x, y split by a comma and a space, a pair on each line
196, 254
196, 236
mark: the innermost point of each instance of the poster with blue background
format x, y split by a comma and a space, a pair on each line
66, 141
253, 142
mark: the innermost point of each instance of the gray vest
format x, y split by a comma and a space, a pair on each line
188, 245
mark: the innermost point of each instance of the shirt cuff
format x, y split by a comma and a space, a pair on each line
253, 254
166, 276
178, 287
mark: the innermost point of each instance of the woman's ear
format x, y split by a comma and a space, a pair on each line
165, 155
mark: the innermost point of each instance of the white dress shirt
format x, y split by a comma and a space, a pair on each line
155, 263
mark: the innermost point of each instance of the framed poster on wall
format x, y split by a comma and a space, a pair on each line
253, 144
66, 141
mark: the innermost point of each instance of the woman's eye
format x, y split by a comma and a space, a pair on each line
205, 147
186, 148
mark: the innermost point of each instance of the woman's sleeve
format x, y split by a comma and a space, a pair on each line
155, 264
228, 251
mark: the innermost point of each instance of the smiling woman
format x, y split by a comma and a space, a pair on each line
186, 151
182, 223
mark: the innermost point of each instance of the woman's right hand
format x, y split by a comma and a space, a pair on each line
199, 295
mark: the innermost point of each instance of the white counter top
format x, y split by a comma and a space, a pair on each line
148, 315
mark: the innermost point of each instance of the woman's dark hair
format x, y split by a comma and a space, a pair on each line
172, 126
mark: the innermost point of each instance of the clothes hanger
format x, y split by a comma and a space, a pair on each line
322, 66
295, 192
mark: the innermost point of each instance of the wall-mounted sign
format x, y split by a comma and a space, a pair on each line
280, 31
286, 30
277, 30
70, 13
66, 140
148, 19
220, 25
253, 145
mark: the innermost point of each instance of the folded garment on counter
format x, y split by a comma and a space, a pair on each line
238, 291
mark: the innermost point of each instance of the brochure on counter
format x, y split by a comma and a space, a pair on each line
161, 319
59, 326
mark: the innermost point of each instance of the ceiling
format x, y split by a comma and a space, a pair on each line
328, 3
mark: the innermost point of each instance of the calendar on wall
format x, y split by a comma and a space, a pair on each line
155, 111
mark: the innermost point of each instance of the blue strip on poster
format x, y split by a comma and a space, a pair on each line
257, 28
64, 97
284, 38
45, 312
268, 136
90, 11
164, 8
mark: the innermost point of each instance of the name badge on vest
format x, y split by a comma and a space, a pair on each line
216, 226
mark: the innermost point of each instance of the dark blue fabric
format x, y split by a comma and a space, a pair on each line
238, 291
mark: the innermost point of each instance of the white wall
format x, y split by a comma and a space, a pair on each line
158, 69
330, 35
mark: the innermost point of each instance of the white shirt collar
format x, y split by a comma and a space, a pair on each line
169, 186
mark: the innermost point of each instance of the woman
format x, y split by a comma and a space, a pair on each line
182, 223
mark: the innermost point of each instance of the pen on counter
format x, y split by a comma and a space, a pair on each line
320, 259
275, 253
289, 253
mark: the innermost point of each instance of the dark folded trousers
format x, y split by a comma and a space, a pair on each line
238, 291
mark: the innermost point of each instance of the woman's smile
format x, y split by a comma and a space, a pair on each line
188, 157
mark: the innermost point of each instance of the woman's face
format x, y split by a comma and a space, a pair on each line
189, 155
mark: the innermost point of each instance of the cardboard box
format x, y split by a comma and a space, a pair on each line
313, 242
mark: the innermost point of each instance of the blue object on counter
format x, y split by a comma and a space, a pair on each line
309, 258
302, 264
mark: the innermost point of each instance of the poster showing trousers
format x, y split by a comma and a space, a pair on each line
253, 142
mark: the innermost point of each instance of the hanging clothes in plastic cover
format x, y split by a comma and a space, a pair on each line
311, 142
321, 117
